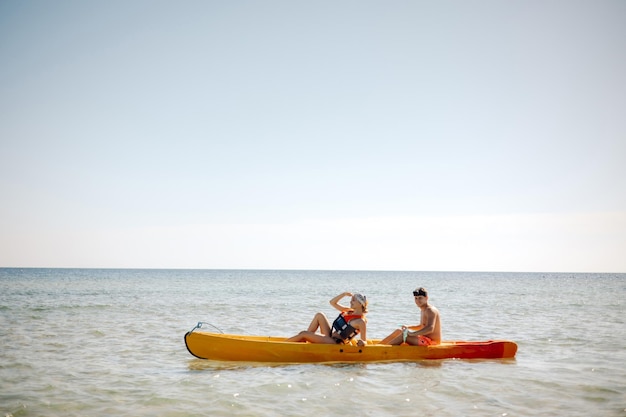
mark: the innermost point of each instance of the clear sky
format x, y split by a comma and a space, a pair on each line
404, 135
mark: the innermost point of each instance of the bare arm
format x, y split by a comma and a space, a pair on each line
335, 301
363, 333
428, 323
362, 327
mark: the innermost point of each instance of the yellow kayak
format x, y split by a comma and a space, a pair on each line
231, 347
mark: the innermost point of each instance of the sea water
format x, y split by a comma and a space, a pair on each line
86, 342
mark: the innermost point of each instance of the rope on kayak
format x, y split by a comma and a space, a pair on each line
203, 323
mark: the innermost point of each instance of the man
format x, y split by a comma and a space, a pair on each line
428, 332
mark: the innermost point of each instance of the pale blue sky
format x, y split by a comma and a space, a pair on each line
405, 135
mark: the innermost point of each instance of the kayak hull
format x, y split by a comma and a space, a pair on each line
229, 347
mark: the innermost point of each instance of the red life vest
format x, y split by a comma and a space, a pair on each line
349, 317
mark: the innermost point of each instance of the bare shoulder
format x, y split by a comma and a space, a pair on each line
433, 310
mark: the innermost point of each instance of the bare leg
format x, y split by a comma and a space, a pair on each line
395, 338
311, 337
319, 322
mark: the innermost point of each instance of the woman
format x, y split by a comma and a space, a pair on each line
350, 322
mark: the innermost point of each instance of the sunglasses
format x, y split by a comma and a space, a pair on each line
418, 293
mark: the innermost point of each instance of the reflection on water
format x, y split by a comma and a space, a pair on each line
102, 342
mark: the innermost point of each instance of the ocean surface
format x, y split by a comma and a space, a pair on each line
90, 342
